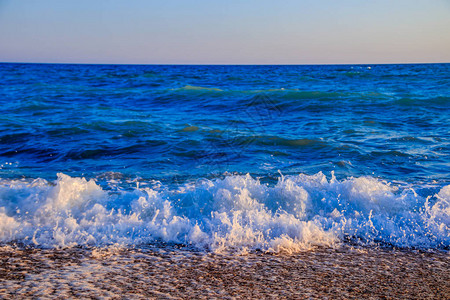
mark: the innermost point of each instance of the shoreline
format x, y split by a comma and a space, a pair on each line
170, 273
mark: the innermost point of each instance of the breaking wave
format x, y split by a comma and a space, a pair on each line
235, 212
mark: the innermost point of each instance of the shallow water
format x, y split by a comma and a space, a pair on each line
277, 158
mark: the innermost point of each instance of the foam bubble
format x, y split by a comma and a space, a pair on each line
237, 212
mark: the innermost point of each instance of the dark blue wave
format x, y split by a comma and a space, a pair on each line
388, 121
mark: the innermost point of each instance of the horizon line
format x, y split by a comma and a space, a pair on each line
220, 64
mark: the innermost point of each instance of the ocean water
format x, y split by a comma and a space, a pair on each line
220, 158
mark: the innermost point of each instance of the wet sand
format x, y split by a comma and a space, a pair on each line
169, 273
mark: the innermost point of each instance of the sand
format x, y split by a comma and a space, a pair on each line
171, 273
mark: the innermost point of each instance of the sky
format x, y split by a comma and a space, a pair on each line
225, 32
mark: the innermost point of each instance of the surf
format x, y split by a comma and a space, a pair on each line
237, 212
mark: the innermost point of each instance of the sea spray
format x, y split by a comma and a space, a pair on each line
235, 212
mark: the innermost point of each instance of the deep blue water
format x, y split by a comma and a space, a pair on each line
177, 125
163, 122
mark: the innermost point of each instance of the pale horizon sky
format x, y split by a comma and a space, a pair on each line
231, 32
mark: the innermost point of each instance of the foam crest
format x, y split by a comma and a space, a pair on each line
237, 212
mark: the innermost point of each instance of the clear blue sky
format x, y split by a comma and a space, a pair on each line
228, 32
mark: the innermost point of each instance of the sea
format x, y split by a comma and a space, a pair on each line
223, 158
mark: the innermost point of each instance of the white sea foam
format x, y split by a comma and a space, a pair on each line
237, 212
